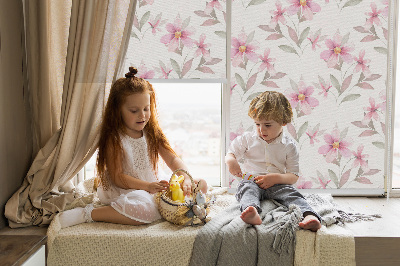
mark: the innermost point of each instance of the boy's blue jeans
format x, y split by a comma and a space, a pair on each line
250, 194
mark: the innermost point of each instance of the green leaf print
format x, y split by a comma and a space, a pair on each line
333, 177
144, 19
379, 144
303, 35
351, 97
287, 49
302, 129
221, 34
134, 35
240, 81
176, 67
255, 2
381, 50
335, 82
352, 3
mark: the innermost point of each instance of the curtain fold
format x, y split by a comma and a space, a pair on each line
96, 43
46, 34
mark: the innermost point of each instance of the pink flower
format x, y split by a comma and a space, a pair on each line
307, 8
360, 159
303, 98
202, 48
334, 145
371, 112
143, 73
165, 71
211, 5
373, 17
277, 15
239, 132
146, 2
312, 136
303, 184
325, 88
233, 84
177, 34
267, 63
362, 63
241, 47
382, 96
323, 183
385, 11
336, 48
155, 24
315, 39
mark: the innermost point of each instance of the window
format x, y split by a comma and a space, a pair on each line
190, 116
341, 92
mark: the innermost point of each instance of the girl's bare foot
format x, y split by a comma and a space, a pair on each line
310, 222
250, 216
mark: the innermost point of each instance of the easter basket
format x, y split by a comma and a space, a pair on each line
191, 212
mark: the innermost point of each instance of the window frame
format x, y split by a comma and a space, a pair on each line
390, 115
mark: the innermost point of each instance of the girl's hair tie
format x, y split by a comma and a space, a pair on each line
132, 72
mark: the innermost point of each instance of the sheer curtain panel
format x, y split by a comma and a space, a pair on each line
96, 44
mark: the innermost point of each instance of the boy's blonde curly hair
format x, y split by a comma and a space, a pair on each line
271, 105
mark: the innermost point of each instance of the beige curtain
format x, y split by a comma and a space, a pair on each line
98, 35
46, 38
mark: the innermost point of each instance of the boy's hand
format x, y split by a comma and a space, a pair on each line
266, 181
233, 165
187, 186
234, 169
154, 187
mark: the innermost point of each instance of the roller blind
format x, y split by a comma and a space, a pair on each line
330, 58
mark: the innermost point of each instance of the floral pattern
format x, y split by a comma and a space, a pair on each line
171, 39
329, 58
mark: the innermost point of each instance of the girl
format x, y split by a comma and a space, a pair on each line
131, 142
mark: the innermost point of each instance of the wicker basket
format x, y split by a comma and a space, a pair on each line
176, 212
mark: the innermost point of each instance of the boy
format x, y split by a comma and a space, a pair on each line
271, 154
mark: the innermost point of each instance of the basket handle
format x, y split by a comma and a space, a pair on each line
186, 172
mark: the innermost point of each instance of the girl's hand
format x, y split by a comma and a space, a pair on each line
157, 186
266, 181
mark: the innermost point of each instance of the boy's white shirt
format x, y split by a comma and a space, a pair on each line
279, 156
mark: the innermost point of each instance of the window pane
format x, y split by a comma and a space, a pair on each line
90, 167
190, 116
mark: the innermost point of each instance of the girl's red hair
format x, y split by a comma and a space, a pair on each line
112, 127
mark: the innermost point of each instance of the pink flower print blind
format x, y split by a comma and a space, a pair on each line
330, 60
179, 39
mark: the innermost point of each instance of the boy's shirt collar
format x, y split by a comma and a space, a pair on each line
279, 139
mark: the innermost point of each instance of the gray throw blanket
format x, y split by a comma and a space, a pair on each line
227, 240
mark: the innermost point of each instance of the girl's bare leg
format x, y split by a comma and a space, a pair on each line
109, 215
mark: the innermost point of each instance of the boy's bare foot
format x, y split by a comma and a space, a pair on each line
310, 222
250, 216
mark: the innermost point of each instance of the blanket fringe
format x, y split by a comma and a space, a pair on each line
288, 225
355, 217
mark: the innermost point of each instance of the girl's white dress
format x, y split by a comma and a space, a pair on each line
138, 205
